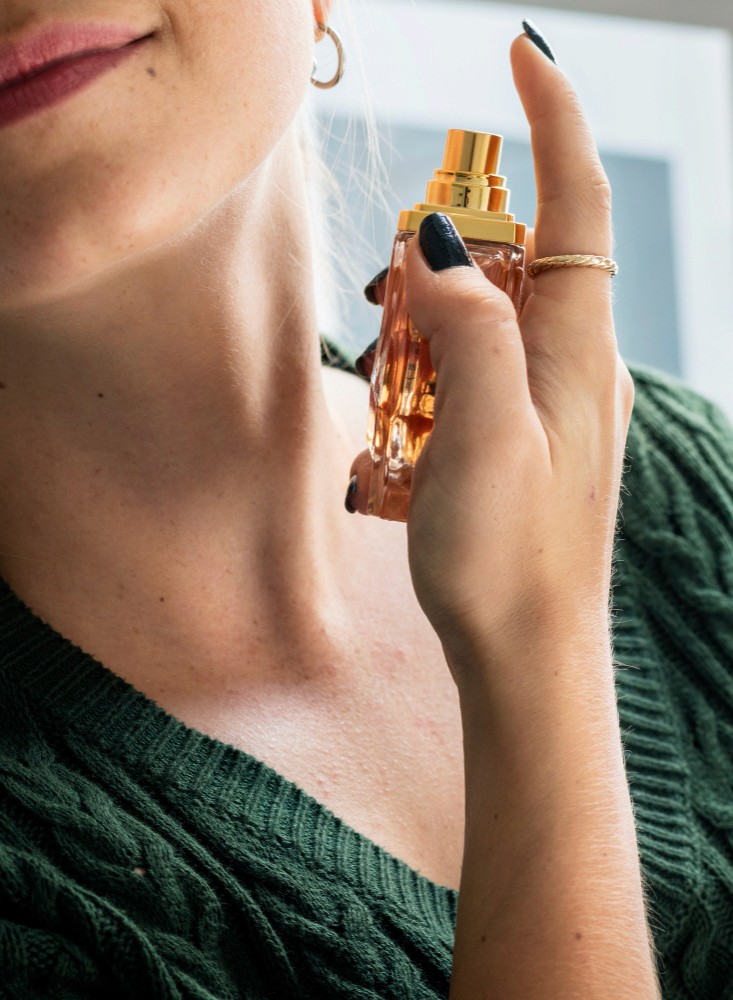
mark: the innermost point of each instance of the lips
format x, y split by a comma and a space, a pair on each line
39, 71
36, 53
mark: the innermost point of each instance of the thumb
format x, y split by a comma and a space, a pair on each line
471, 328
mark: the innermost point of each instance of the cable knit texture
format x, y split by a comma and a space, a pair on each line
140, 858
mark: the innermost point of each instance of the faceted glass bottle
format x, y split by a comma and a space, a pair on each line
403, 379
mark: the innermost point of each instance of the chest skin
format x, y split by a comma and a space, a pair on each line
379, 744
372, 729
357, 708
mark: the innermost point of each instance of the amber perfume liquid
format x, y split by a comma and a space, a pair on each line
403, 379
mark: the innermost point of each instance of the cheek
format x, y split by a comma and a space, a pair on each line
246, 90
133, 162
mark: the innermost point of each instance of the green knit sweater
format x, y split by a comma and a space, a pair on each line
141, 859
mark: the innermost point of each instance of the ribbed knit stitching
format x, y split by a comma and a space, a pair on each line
251, 888
85, 697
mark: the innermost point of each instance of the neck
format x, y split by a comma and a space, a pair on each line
166, 429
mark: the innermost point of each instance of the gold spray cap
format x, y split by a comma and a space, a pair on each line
470, 177
469, 188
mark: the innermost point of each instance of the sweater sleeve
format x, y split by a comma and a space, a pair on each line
675, 554
680, 472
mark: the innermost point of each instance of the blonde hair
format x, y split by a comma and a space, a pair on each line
338, 274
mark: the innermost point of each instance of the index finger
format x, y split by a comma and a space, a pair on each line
567, 319
573, 194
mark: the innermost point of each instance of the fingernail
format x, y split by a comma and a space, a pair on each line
370, 291
440, 243
539, 39
351, 490
359, 364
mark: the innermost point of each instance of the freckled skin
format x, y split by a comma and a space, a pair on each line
154, 241
73, 206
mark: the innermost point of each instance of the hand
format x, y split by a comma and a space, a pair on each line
515, 494
377, 287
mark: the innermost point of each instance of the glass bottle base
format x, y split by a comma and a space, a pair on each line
389, 491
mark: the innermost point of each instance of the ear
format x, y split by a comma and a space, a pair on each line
321, 11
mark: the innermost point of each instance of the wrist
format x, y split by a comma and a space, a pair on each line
532, 691
566, 680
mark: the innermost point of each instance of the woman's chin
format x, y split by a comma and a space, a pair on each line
52, 256
51, 272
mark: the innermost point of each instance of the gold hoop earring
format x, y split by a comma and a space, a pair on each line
334, 35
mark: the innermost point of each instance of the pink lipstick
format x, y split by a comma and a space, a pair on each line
40, 70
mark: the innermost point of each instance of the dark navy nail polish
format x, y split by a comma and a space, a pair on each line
359, 367
371, 289
539, 39
351, 490
440, 243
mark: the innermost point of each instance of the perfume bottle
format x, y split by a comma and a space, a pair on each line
469, 189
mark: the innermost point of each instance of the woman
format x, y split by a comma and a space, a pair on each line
235, 719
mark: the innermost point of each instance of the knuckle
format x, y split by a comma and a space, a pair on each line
600, 195
626, 387
487, 301
590, 191
601, 363
479, 306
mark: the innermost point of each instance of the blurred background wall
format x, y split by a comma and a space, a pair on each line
711, 13
659, 95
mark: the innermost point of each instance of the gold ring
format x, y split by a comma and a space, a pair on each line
572, 260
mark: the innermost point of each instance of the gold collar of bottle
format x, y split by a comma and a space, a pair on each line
469, 188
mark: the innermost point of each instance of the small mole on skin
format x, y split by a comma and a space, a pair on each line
496, 815
2, 385
100, 395
162, 598
151, 71
578, 935
483, 938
